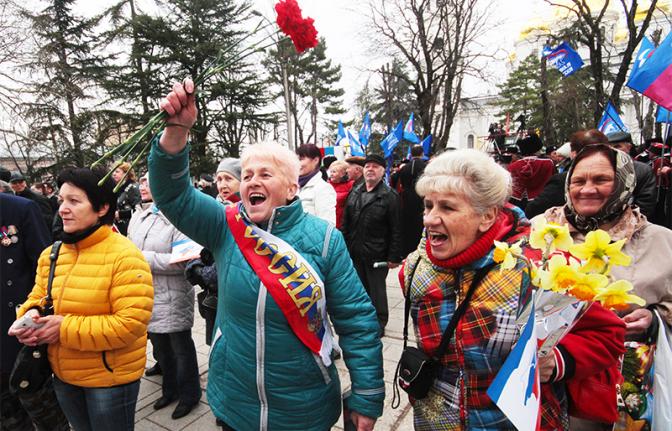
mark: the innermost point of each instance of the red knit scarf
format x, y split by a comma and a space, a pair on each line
479, 248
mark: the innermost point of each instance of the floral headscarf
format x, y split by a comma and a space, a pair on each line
619, 200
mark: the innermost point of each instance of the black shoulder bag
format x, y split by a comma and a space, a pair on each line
416, 370
31, 369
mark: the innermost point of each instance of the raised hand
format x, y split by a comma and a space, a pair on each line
180, 105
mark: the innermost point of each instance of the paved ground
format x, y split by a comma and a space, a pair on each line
201, 418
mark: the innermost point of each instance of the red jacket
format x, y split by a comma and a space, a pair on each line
342, 191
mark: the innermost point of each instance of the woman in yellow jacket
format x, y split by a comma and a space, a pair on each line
102, 292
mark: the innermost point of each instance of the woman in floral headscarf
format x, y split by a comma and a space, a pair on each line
599, 189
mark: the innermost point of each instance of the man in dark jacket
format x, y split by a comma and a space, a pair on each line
411, 204
553, 194
372, 231
20, 187
23, 237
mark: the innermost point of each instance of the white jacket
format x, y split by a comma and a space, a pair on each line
319, 199
154, 235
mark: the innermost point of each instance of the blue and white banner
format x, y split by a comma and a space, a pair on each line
663, 115
646, 49
427, 145
565, 59
356, 148
365, 131
392, 140
611, 122
515, 389
409, 131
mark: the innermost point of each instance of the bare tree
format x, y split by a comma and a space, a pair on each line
438, 40
588, 28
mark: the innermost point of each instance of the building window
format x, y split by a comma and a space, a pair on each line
470, 141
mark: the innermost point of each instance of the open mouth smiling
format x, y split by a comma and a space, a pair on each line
256, 199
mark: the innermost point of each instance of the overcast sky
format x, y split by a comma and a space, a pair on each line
344, 25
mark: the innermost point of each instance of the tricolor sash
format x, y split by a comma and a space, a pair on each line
292, 282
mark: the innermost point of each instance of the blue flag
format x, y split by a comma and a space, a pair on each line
546, 50
356, 148
427, 146
565, 59
365, 131
611, 122
663, 115
516, 387
646, 49
341, 133
392, 140
409, 131
653, 78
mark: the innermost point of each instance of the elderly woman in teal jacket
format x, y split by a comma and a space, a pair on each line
280, 271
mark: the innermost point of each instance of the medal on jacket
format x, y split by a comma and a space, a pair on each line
6, 241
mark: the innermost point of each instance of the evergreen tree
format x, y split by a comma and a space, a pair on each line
520, 92
182, 42
313, 87
64, 67
570, 99
394, 98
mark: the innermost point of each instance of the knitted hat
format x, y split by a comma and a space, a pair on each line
231, 166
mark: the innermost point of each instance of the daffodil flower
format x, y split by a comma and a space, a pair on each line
599, 253
564, 277
616, 296
559, 275
550, 236
506, 254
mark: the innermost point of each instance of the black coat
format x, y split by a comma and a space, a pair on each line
412, 206
19, 262
554, 192
127, 200
372, 229
43, 204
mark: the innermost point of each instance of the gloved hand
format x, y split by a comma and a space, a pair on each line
192, 272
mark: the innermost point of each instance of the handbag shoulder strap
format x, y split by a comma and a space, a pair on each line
461, 309
53, 257
407, 301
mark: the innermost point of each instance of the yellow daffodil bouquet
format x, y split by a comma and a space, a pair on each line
569, 276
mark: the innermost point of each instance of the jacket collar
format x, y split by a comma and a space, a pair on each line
282, 218
101, 234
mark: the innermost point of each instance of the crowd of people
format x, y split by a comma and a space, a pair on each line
292, 278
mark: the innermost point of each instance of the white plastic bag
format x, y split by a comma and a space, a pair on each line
662, 379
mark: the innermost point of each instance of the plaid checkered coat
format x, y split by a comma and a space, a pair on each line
483, 338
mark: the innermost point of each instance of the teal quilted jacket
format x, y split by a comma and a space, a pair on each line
261, 376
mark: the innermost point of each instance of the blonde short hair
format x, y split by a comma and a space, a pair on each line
471, 173
126, 167
283, 158
338, 165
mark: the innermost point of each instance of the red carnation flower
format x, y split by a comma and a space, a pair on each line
300, 30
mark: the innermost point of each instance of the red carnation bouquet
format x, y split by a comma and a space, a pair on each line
300, 30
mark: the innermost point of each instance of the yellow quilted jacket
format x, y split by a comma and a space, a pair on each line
103, 288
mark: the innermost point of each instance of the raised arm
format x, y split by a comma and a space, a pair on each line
199, 216
180, 105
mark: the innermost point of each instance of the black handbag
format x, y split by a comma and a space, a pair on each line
31, 369
416, 369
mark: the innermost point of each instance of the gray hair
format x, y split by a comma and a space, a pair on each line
286, 160
471, 173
